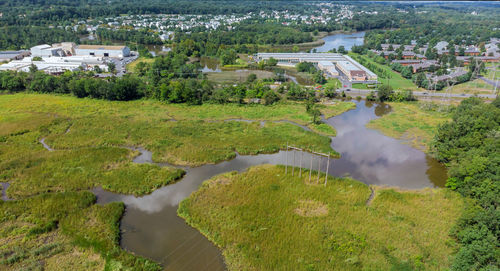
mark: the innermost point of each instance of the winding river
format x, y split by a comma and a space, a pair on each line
151, 227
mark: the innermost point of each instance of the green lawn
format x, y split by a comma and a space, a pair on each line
131, 67
333, 83
396, 81
263, 219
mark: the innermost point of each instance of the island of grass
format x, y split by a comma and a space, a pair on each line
413, 122
263, 219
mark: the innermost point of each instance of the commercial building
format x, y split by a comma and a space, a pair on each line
328, 67
351, 71
55, 65
328, 62
102, 51
46, 50
294, 58
13, 55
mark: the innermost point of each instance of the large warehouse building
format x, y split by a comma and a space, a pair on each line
55, 65
102, 51
330, 63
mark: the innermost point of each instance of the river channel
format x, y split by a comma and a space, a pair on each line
347, 40
150, 226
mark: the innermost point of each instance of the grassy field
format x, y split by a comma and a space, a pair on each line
334, 83
63, 231
82, 160
264, 220
409, 122
396, 81
232, 76
363, 86
477, 86
131, 66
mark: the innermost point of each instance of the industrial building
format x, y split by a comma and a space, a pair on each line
330, 63
294, 58
71, 49
352, 72
46, 50
13, 55
55, 65
328, 67
102, 51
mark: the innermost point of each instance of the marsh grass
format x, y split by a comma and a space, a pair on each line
81, 235
409, 122
253, 217
52, 224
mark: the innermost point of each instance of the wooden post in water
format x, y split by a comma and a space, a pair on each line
311, 168
327, 166
319, 167
300, 172
286, 158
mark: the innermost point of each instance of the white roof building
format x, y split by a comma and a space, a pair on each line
54, 65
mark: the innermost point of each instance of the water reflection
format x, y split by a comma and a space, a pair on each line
151, 227
337, 40
373, 158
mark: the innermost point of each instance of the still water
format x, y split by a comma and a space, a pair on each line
150, 226
346, 40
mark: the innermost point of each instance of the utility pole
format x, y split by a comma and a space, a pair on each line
319, 168
311, 168
286, 158
300, 172
327, 166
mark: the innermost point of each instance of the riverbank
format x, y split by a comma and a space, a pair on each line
263, 219
63, 231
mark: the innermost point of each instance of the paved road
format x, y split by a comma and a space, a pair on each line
491, 82
419, 93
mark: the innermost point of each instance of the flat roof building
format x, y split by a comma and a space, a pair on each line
102, 51
322, 59
328, 67
351, 71
55, 65
294, 58
46, 50
13, 55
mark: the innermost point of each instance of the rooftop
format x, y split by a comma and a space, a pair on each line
100, 47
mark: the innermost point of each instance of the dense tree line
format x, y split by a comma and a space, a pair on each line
470, 145
385, 93
243, 39
128, 35
24, 37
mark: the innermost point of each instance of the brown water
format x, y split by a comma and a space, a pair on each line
150, 226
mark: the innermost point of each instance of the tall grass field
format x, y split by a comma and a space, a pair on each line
263, 219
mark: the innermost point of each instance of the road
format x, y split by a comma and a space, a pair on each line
121, 63
491, 82
419, 93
